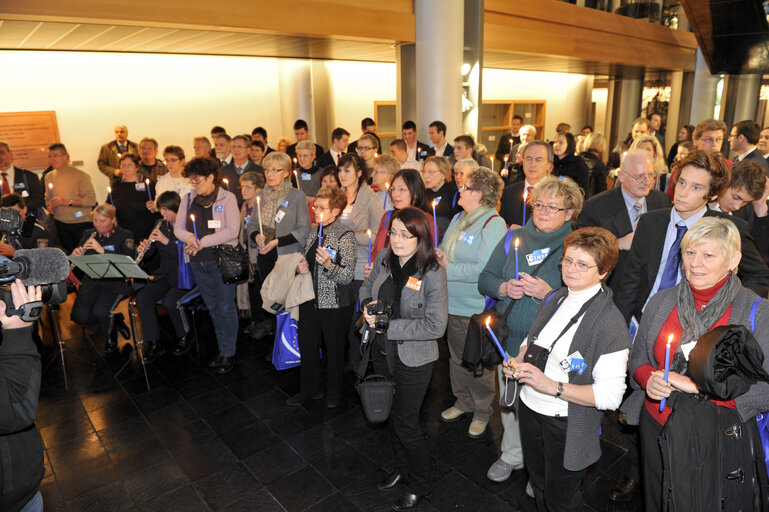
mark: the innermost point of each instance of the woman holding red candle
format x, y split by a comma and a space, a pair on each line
555, 202
216, 221
711, 295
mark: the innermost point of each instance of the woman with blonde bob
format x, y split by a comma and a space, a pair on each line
708, 297
441, 191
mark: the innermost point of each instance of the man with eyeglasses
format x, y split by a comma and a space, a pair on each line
654, 260
537, 163
618, 210
709, 135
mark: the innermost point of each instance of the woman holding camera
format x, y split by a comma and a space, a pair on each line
407, 276
325, 319
572, 366
554, 203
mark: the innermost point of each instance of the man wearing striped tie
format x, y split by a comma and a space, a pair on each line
619, 209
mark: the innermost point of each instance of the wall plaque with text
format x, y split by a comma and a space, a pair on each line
29, 134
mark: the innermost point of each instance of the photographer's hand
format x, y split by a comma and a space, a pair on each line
370, 319
21, 295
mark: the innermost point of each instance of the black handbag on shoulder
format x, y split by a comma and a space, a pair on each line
233, 263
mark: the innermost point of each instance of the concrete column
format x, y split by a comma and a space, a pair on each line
473, 79
627, 104
673, 121
578, 107
295, 81
439, 53
405, 86
704, 92
323, 104
746, 101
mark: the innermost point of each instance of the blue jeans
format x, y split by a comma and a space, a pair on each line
35, 504
219, 298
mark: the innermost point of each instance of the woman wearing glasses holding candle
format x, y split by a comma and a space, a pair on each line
408, 277
130, 195
554, 203
572, 367
711, 295
465, 249
216, 221
441, 190
324, 320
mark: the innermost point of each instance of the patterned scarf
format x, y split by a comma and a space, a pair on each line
271, 199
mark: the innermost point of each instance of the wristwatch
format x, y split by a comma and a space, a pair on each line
559, 389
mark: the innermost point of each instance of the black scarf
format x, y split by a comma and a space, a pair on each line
399, 276
207, 200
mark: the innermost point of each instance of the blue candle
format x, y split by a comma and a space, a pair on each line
109, 189
194, 228
525, 193
667, 369
516, 258
387, 193
505, 355
435, 226
227, 182
320, 228
368, 231
149, 192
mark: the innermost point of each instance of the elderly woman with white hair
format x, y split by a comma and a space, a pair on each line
701, 449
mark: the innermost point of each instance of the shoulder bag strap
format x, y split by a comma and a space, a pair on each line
575, 318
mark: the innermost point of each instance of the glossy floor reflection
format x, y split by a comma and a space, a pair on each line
199, 441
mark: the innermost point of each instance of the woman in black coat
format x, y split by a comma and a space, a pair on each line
567, 163
595, 149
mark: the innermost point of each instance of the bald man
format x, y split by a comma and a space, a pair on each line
110, 153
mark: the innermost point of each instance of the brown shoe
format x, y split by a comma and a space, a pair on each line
624, 490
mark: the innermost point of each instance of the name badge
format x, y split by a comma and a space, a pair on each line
24, 193
279, 216
219, 208
437, 200
247, 219
306, 176
78, 214
18, 185
423, 153
42, 242
347, 213
331, 252
141, 187
284, 204
109, 247
536, 257
414, 283
466, 238
214, 224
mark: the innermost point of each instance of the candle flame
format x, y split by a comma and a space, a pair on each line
488, 320
516, 242
109, 189
321, 217
192, 216
387, 185
434, 203
368, 231
375, 155
50, 185
147, 181
258, 199
294, 160
225, 180
525, 193
670, 339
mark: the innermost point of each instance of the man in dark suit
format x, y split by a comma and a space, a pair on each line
241, 163
743, 139
367, 125
416, 150
508, 140
437, 132
537, 163
21, 181
260, 134
340, 139
654, 262
302, 132
618, 210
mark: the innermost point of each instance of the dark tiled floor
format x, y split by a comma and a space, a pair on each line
198, 441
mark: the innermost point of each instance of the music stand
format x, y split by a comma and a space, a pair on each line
117, 266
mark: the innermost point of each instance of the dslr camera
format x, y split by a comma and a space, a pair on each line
382, 310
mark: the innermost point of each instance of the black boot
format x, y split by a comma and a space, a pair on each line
149, 352
121, 326
183, 345
111, 345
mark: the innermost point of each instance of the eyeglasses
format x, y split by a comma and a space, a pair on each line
273, 170
546, 208
465, 187
711, 140
364, 148
402, 236
643, 178
581, 267
195, 183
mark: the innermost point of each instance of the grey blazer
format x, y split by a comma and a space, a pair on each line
424, 313
295, 221
755, 401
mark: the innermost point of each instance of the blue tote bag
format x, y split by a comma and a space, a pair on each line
285, 352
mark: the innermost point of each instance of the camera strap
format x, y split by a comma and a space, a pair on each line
575, 318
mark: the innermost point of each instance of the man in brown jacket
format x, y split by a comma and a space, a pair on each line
110, 153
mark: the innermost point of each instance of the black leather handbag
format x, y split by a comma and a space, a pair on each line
376, 391
233, 263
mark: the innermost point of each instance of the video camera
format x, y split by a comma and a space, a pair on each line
45, 267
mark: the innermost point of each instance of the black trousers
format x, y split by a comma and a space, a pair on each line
543, 438
146, 301
70, 234
412, 458
264, 263
651, 460
326, 328
93, 303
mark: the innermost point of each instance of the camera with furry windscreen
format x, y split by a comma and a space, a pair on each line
45, 267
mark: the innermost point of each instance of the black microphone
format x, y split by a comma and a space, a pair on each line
34, 267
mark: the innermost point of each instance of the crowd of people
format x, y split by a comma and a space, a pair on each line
599, 265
